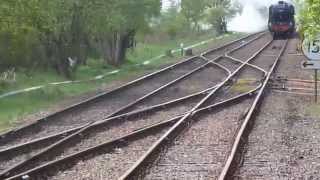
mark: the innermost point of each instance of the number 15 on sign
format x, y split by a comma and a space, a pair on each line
311, 48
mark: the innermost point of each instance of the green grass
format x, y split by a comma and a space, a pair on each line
313, 110
243, 85
15, 107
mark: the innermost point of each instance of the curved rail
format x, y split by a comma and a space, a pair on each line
99, 122
227, 168
57, 144
121, 140
93, 99
171, 133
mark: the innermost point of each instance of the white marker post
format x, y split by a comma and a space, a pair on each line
182, 49
311, 49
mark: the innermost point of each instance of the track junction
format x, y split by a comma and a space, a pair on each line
189, 120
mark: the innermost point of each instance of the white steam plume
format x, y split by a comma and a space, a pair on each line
251, 20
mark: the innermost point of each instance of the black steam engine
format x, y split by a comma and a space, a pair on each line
281, 18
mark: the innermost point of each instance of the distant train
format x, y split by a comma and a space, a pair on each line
281, 19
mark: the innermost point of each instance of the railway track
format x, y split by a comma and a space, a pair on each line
293, 86
58, 162
283, 142
93, 135
270, 66
156, 124
56, 138
35, 168
94, 108
138, 169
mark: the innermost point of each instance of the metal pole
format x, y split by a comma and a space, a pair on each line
316, 85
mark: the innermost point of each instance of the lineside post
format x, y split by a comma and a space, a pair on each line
316, 86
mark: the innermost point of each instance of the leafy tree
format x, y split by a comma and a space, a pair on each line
113, 23
218, 13
19, 42
193, 10
51, 23
65, 29
309, 21
172, 22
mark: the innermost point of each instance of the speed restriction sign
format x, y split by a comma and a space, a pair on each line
311, 48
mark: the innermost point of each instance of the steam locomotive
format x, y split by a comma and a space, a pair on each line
281, 19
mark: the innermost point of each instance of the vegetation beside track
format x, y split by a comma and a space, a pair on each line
313, 110
243, 85
309, 22
13, 108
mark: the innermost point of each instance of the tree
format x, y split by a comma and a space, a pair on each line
55, 24
193, 10
218, 13
113, 23
309, 21
172, 22
64, 29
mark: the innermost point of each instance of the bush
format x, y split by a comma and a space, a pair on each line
21, 50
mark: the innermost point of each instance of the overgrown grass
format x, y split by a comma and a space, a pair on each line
243, 85
14, 107
313, 110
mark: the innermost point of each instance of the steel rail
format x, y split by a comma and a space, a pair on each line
253, 109
295, 93
67, 132
249, 64
259, 34
166, 137
217, 64
123, 109
121, 141
54, 145
10, 170
92, 99
18, 130
58, 136
297, 80
100, 122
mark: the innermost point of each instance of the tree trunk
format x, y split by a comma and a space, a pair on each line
62, 58
115, 48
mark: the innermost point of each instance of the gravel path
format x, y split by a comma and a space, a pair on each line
284, 142
200, 152
102, 108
